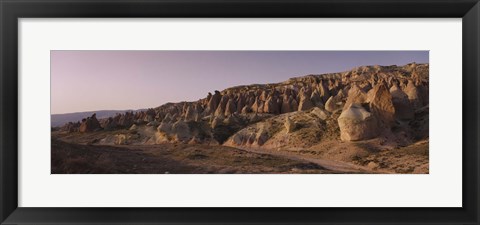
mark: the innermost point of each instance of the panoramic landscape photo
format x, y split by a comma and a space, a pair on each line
239, 112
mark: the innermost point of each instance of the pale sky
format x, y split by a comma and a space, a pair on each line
120, 80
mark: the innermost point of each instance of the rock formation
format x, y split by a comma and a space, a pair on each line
413, 94
289, 125
381, 105
353, 105
90, 124
305, 102
356, 124
403, 108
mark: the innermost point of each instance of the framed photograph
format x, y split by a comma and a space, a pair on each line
239, 112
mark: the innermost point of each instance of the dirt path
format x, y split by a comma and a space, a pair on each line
327, 164
334, 166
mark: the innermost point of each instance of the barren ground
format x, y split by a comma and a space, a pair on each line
171, 158
79, 154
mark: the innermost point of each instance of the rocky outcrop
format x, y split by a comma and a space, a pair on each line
133, 127
335, 103
324, 92
305, 103
320, 113
71, 127
109, 124
90, 124
257, 106
289, 104
125, 120
413, 94
153, 123
357, 124
271, 106
299, 129
216, 121
403, 108
420, 123
256, 135
316, 105
355, 95
381, 105
165, 127
213, 102
181, 132
289, 125
316, 99
222, 105
241, 102
231, 107
191, 114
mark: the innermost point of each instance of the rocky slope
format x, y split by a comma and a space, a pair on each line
386, 103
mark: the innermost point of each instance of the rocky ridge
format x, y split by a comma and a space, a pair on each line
368, 102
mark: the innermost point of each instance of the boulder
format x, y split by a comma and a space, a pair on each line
357, 124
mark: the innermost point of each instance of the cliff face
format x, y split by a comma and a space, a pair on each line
364, 103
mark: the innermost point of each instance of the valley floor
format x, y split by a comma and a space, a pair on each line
172, 158
74, 158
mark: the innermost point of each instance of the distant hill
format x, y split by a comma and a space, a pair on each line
61, 119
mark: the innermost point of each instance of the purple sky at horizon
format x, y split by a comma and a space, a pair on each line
121, 80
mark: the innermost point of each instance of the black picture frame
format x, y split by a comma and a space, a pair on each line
12, 10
